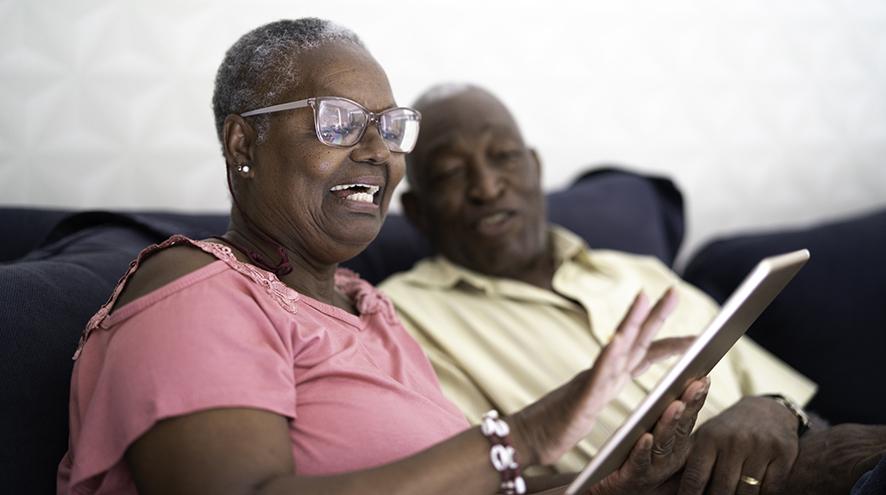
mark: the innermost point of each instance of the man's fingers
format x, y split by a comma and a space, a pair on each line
753, 475
697, 471
726, 472
776, 478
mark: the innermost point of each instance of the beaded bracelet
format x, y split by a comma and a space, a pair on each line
502, 454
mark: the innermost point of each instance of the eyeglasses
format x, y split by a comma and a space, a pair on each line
340, 122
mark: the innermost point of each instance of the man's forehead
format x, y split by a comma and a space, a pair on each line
455, 138
451, 117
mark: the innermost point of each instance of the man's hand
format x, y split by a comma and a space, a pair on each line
756, 438
831, 460
657, 456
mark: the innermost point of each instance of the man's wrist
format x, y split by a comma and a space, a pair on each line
803, 422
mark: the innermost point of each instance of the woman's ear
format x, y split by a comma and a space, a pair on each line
238, 140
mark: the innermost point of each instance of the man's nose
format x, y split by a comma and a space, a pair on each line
486, 184
371, 148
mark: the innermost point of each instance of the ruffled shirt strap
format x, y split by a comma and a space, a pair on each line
281, 293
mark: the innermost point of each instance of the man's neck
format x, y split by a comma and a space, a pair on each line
540, 272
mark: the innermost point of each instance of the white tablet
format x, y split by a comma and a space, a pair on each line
754, 294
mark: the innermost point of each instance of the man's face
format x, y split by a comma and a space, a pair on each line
477, 186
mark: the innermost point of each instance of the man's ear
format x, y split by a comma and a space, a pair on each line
414, 212
238, 140
536, 161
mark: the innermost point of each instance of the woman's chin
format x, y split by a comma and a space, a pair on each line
354, 241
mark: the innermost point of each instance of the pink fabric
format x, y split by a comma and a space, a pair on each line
358, 389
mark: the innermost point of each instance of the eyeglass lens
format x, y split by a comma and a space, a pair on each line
341, 123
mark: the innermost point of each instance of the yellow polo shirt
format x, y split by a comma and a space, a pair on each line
502, 344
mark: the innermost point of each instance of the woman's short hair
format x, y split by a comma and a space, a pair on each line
261, 65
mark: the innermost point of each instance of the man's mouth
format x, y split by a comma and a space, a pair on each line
494, 219
495, 224
363, 193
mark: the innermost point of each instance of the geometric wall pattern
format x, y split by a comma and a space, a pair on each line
766, 112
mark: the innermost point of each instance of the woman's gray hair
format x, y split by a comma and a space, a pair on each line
261, 65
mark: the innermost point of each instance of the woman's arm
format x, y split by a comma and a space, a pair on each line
248, 451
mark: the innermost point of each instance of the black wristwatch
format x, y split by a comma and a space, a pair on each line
802, 418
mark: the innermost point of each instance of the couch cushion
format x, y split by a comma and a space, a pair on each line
47, 299
830, 322
26, 228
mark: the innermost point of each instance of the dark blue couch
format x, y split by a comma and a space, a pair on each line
57, 267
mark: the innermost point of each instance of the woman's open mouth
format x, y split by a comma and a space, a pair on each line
361, 193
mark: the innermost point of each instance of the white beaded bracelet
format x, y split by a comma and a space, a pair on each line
502, 454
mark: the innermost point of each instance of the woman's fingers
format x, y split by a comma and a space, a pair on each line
661, 349
651, 324
629, 328
615, 359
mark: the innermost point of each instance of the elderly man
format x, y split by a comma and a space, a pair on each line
511, 305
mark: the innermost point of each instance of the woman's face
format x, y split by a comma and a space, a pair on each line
293, 192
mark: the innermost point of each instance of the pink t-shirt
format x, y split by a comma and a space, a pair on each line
358, 390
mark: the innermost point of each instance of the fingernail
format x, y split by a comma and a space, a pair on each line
701, 393
679, 413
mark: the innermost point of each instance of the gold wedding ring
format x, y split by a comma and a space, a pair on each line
750, 480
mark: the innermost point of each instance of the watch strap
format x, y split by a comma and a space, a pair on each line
802, 418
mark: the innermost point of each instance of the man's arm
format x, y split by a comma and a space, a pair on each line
832, 459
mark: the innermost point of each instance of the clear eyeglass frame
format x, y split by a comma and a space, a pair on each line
370, 118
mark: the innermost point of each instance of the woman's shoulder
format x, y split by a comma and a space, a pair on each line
158, 267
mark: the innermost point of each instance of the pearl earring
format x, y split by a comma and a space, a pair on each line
243, 168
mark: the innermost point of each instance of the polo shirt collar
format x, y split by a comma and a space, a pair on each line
442, 273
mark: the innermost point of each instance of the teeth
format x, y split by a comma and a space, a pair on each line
369, 189
362, 197
493, 219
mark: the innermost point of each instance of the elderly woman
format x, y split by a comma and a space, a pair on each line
252, 364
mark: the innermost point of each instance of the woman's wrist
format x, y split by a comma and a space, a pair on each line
503, 454
523, 438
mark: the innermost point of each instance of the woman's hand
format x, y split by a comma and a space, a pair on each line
546, 429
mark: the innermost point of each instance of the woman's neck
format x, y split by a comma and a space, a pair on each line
306, 276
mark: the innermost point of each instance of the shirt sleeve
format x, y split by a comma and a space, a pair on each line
178, 350
759, 372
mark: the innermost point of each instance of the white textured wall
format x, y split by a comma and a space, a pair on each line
766, 112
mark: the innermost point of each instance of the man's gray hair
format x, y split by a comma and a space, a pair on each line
261, 65
443, 91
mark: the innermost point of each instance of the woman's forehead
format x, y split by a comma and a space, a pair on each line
346, 70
